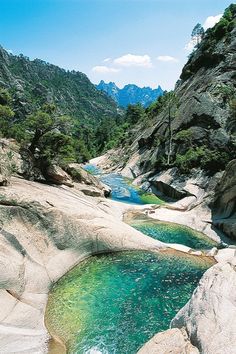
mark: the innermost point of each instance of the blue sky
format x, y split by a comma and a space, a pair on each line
141, 41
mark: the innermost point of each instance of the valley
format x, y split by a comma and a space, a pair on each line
118, 218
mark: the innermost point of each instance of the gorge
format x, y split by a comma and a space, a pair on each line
129, 247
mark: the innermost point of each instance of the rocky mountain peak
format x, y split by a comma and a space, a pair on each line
130, 93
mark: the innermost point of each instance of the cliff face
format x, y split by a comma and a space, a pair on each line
32, 83
224, 204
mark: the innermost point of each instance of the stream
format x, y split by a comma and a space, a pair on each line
114, 303
122, 188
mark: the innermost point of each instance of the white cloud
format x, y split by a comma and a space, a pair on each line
102, 69
167, 58
134, 60
107, 60
211, 21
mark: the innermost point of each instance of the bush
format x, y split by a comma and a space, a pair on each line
5, 98
221, 28
55, 147
184, 136
135, 113
209, 160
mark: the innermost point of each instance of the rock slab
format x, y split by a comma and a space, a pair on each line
209, 317
172, 341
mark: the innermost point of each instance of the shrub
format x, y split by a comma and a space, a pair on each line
184, 136
209, 160
220, 28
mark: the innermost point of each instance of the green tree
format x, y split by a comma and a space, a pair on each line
57, 147
105, 133
41, 123
135, 113
197, 34
5, 97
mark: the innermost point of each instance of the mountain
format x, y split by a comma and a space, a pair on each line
130, 94
32, 83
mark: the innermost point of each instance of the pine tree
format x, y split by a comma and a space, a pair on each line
197, 34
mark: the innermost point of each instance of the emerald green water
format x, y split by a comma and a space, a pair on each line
112, 304
174, 233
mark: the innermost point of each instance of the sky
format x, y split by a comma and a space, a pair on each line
143, 42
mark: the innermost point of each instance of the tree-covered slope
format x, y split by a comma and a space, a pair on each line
32, 83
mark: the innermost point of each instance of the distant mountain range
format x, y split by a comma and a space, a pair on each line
130, 94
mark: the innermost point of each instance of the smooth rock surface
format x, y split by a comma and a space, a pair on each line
172, 341
55, 174
209, 317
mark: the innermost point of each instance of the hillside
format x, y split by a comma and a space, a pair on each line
32, 83
130, 94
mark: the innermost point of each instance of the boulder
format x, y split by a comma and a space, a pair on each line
17, 161
90, 190
78, 174
4, 179
55, 174
165, 184
209, 317
171, 184
106, 190
172, 341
